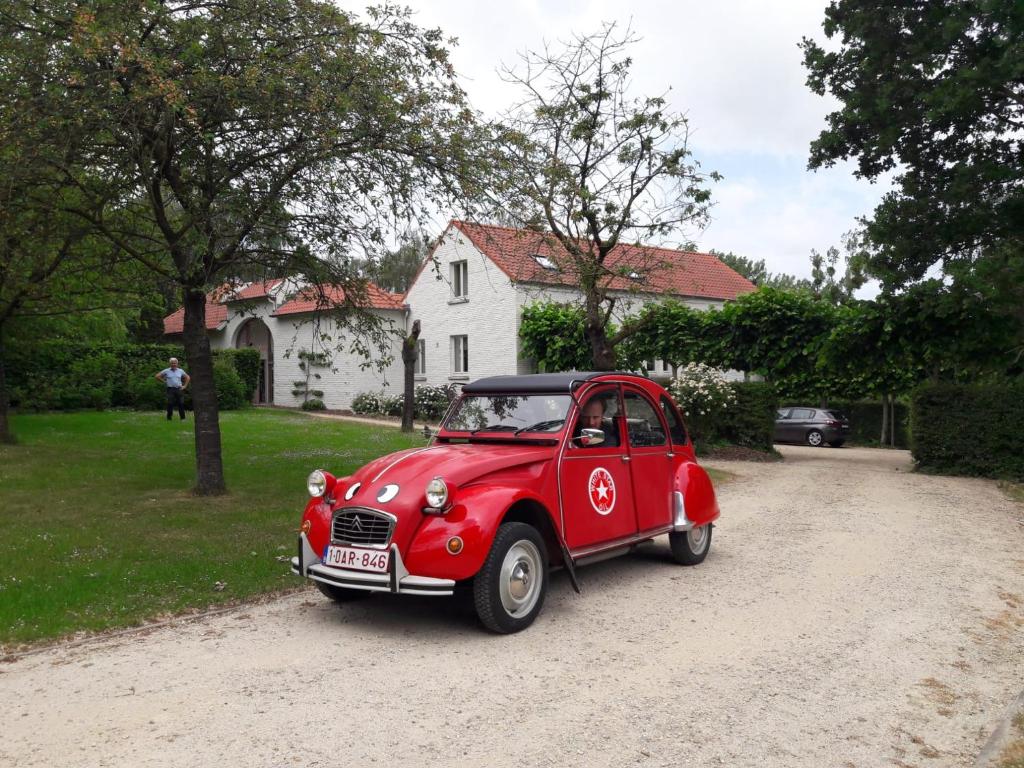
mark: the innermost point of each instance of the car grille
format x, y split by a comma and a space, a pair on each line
362, 527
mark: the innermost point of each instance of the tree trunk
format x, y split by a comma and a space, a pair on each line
209, 468
601, 352
885, 419
5, 428
892, 420
410, 351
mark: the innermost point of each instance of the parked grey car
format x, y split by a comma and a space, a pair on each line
814, 426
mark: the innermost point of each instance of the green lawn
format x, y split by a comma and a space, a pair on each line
98, 528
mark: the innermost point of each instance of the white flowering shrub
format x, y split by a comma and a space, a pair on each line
702, 393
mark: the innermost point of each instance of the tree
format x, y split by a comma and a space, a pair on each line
600, 168
395, 270
757, 272
932, 92
410, 352
826, 282
230, 134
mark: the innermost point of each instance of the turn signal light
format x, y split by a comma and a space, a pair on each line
306, 525
454, 545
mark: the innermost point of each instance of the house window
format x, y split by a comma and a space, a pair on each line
421, 358
460, 279
649, 366
460, 354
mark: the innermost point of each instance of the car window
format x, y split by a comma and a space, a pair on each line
508, 413
675, 424
782, 414
642, 423
837, 415
604, 405
802, 413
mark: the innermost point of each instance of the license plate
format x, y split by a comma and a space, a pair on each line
358, 558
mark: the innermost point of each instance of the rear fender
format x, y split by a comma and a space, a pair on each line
698, 493
474, 517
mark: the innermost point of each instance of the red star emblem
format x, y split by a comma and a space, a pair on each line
602, 490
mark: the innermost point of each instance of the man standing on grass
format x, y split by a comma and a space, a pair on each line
176, 380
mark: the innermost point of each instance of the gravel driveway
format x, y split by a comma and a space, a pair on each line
850, 614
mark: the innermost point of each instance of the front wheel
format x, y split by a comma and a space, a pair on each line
691, 547
815, 438
509, 590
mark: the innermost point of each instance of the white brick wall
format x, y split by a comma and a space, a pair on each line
489, 315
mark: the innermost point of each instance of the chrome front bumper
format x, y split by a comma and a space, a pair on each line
397, 580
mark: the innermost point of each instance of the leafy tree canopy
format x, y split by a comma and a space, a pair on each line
932, 92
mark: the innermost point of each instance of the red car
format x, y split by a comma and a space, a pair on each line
526, 473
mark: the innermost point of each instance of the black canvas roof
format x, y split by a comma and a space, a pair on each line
537, 382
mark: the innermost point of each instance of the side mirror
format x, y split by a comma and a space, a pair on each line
590, 437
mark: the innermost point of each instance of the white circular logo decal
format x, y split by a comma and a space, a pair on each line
602, 491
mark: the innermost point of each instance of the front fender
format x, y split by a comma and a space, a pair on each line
475, 517
698, 493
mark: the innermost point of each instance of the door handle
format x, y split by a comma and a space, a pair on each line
626, 459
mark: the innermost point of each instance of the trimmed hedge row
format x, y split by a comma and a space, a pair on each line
67, 376
750, 421
866, 421
969, 429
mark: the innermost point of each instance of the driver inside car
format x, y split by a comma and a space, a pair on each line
592, 416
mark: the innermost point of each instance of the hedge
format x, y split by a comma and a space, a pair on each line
969, 429
70, 375
866, 421
749, 422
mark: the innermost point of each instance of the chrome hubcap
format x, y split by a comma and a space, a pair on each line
698, 539
521, 576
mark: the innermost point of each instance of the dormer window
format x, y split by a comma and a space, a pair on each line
545, 262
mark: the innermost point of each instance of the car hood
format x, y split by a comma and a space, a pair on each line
459, 464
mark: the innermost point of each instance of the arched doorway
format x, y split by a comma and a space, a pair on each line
254, 334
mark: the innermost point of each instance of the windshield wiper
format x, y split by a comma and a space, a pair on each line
494, 428
540, 425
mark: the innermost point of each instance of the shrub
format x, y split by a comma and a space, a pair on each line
314, 404
702, 393
430, 403
969, 429
248, 364
231, 390
750, 420
392, 405
367, 403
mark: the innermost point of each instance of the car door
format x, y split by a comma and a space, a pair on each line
650, 453
781, 425
800, 420
595, 482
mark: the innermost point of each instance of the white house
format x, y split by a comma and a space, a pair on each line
468, 296
282, 322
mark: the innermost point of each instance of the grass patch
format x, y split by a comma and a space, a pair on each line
98, 528
1012, 755
1014, 490
720, 476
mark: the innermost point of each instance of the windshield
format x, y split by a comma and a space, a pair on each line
509, 413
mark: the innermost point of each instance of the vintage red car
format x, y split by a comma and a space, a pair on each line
526, 473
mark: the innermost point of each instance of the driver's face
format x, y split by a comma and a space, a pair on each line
593, 412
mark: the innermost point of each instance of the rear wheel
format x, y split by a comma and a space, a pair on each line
341, 594
691, 547
509, 590
815, 438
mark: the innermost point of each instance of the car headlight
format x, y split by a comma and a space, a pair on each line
437, 493
316, 483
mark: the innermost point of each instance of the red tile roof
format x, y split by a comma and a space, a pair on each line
216, 314
657, 270
257, 290
310, 301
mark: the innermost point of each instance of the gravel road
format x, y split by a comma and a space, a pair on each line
850, 614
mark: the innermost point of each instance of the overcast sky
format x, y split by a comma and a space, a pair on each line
733, 67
